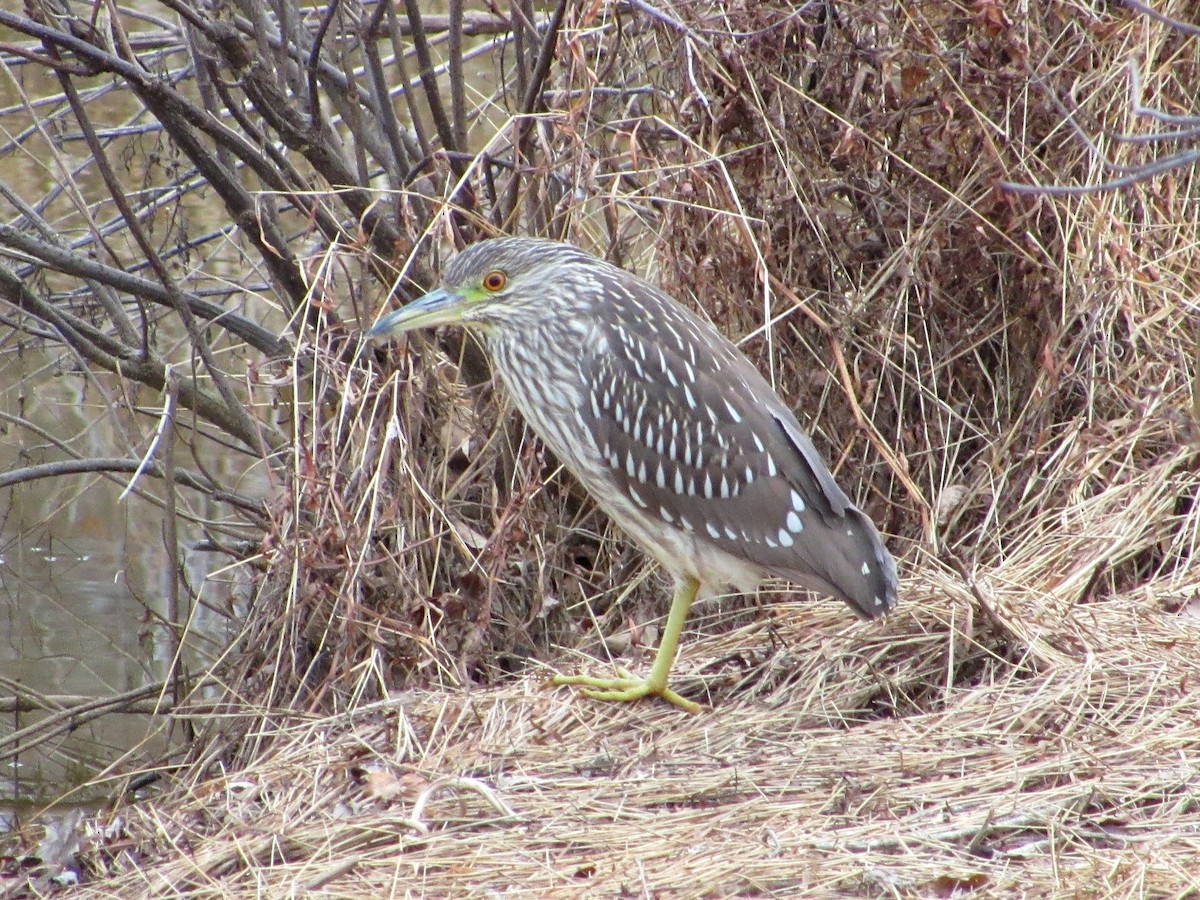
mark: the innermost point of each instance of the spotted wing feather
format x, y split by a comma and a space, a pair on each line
701, 442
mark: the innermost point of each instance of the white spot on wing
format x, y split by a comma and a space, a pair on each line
795, 525
712, 530
866, 570
785, 539
797, 502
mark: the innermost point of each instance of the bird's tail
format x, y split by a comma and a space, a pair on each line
853, 564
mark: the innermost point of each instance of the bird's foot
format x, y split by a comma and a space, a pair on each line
625, 688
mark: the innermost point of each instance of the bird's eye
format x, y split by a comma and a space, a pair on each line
495, 281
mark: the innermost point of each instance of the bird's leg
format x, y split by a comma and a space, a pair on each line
628, 687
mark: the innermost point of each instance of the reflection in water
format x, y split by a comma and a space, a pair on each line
71, 625
84, 579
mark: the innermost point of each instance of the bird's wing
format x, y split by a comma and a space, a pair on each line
701, 442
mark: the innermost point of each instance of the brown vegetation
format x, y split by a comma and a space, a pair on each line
1002, 378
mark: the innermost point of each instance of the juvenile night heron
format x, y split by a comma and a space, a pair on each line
672, 430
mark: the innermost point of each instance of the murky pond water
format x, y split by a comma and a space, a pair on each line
84, 577
85, 574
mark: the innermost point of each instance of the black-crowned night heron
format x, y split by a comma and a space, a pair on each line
667, 424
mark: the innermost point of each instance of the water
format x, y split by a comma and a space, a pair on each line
84, 574
72, 624
84, 582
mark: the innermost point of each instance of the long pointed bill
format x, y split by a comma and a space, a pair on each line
438, 307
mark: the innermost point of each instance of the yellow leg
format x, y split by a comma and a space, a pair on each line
625, 686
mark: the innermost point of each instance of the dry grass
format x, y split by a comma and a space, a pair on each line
1004, 380
1073, 777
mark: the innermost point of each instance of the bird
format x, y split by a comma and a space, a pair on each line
670, 428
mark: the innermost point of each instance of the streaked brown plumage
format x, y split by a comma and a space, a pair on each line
669, 426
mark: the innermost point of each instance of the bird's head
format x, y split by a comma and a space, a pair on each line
490, 284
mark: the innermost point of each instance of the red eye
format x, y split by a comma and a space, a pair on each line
495, 281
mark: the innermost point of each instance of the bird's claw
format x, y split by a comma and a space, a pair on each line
625, 688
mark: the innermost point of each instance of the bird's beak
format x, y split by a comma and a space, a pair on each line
435, 308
